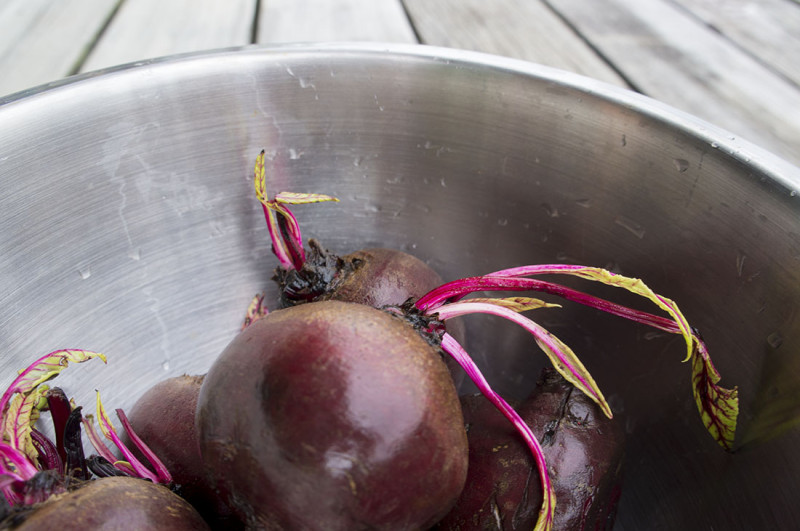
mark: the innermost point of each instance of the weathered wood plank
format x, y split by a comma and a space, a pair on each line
768, 29
671, 56
523, 29
144, 29
333, 20
40, 40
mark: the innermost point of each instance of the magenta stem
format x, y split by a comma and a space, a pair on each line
456, 290
454, 349
161, 470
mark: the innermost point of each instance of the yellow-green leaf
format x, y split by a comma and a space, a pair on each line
293, 198
517, 304
718, 407
259, 178
635, 285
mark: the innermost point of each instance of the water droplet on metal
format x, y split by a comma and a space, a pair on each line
135, 254
502, 222
85, 272
793, 193
714, 145
357, 161
585, 203
681, 165
631, 226
550, 210
740, 259
775, 340
165, 365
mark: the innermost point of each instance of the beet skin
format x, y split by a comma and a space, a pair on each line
377, 277
164, 418
582, 447
331, 416
115, 503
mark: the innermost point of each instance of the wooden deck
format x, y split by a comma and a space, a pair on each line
735, 63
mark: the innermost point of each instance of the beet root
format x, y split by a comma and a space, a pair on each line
375, 277
164, 418
333, 415
114, 503
583, 449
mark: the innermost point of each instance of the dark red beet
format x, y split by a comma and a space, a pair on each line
164, 418
331, 416
114, 503
582, 447
376, 277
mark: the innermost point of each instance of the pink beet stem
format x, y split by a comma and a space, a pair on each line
458, 289
454, 349
161, 471
464, 308
99, 446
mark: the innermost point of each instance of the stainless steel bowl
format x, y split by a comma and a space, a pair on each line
129, 226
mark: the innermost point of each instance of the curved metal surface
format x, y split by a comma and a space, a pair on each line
129, 226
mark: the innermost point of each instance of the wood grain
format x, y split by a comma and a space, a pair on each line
333, 20
670, 55
767, 29
521, 29
144, 29
40, 41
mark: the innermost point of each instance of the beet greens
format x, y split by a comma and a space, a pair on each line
27, 456
718, 406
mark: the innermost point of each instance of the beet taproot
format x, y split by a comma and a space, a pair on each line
583, 448
333, 415
113, 503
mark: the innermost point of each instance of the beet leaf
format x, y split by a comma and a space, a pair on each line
718, 406
255, 311
45, 368
284, 231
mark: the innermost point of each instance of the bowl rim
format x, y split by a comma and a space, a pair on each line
760, 160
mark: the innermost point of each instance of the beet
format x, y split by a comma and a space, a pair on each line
375, 277
305, 280
333, 415
164, 418
112, 503
584, 454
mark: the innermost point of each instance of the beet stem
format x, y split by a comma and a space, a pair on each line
73, 446
546, 513
48, 454
60, 409
161, 471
